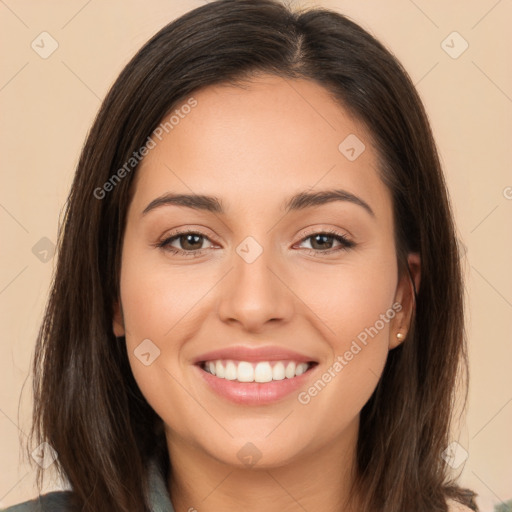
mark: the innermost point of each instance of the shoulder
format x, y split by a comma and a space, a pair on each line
455, 506
57, 501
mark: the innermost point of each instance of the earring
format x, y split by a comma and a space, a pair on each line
400, 336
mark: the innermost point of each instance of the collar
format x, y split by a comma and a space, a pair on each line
158, 494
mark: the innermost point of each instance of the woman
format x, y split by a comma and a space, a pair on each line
258, 299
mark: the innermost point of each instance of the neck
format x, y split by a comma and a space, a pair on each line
318, 478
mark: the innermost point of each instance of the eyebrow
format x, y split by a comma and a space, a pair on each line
299, 201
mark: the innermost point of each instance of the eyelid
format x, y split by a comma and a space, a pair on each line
314, 230
188, 230
344, 241
173, 235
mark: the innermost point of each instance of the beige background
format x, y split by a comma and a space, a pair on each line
48, 105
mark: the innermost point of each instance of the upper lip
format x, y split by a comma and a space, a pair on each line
244, 353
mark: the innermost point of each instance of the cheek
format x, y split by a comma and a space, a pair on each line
157, 299
354, 306
351, 297
159, 315
161, 304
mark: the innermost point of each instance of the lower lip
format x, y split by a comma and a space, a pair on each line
255, 393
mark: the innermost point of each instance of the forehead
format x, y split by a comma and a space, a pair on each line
256, 144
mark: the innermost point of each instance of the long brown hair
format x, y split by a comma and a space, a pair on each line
87, 405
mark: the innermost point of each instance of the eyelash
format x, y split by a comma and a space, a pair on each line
342, 239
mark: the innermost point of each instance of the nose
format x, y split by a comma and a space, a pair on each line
255, 293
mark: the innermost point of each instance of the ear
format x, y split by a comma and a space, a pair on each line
117, 321
401, 323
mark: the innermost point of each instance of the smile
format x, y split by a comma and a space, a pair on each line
261, 372
256, 382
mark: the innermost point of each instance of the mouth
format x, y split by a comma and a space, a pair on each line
255, 376
256, 371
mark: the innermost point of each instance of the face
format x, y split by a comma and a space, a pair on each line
253, 284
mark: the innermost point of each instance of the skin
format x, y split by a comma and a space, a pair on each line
253, 148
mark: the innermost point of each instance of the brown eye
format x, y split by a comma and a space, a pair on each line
323, 242
189, 243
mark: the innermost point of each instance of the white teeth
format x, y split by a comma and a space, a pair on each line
231, 372
278, 371
301, 368
219, 370
290, 371
263, 371
245, 372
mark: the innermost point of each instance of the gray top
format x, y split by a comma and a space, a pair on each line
58, 501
